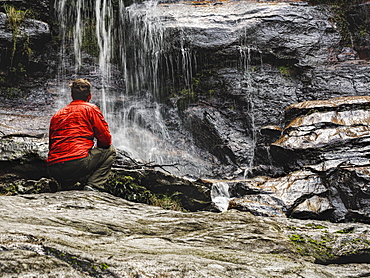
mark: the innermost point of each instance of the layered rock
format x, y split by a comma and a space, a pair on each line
92, 234
326, 133
239, 64
326, 149
27, 57
34, 33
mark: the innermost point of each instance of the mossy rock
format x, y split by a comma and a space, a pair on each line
329, 248
157, 188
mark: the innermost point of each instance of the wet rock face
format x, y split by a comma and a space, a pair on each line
92, 234
325, 149
250, 60
325, 134
37, 32
25, 54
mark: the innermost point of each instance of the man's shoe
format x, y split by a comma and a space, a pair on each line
89, 188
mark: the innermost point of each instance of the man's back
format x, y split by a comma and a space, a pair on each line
73, 158
72, 131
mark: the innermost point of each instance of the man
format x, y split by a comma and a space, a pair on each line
72, 154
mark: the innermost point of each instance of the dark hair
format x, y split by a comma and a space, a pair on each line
80, 89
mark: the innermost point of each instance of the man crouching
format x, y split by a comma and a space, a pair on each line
72, 154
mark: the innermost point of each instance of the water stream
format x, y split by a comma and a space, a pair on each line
124, 52
120, 54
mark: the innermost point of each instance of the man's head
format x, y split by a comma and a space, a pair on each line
80, 89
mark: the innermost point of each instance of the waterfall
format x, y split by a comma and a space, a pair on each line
220, 195
141, 129
128, 55
121, 54
104, 26
245, 61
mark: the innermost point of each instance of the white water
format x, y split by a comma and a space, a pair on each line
220, 195
131, 46
245, 60
134, 115
104, 34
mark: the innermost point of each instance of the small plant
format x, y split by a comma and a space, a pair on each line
284, 71
126, 187
20, 50
14, 20
103, 266
14, 17
314, 226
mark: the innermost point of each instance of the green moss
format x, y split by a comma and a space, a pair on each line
12, 92
341, 10
89, 39
315, 226
345, 231
313, 111
83, 265
9, 189
322, 249
284, 71
307, 246
297, 238
130, 188
167, 202
103, 266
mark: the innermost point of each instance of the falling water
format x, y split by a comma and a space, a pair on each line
141, 130
245, 59
220, 195
76, 18
127, 55
134, 39
104, 25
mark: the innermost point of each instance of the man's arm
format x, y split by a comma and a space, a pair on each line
101, 129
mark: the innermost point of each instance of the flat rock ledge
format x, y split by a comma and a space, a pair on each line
94, 234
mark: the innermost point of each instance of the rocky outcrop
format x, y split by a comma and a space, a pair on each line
23, 171
33, 32
263, 61
26, 53
325, 149
238, 65
235, 65
92, 234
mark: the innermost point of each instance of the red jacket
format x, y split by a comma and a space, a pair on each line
73, 129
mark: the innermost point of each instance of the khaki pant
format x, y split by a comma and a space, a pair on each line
92, 170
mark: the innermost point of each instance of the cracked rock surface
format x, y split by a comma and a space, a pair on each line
93, 234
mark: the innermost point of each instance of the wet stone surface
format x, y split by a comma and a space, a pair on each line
92, 234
